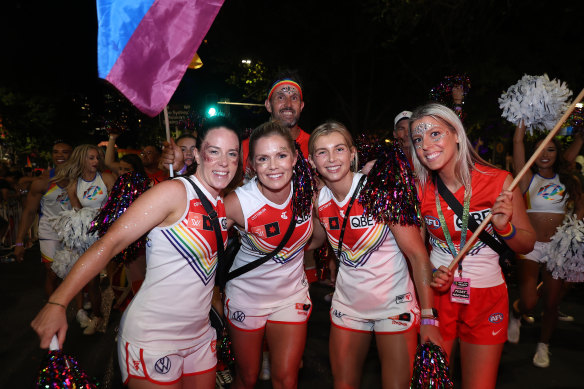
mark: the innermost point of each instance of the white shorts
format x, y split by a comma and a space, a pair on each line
249, 319
393, 325
169, 366
538, 254
48, 249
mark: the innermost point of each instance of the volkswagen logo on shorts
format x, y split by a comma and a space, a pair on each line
162, 365
238, 316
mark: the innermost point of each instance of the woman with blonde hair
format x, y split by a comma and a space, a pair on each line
475, 308
374, 293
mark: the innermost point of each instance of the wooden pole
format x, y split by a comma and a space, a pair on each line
475, 235
167, 125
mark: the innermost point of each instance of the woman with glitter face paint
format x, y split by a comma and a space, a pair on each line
272, 299
374, 293
475, 309
551, 191
165, 339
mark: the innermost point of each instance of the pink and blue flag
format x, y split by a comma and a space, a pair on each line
145, 46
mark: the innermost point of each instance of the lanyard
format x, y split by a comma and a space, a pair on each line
463, 229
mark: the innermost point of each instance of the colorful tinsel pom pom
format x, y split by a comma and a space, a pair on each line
430, 368
442, 93
304, 187
60, 371
127, 188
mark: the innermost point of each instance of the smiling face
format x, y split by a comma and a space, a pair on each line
92, 161
217, 160
435, 143
273, 161
547, 158
332, 157
285, 105
61, 153
187, 146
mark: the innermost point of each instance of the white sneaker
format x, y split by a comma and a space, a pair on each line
513, 329
265, 370
94, 323
565, 317
82, 318
542, 355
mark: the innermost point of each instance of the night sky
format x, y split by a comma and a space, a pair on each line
362, 61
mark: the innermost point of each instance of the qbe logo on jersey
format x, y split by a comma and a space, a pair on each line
362, 221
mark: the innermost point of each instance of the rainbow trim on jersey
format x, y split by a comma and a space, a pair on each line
259, 246
192, 246
362, 250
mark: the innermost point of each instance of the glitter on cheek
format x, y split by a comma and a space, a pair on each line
440, 137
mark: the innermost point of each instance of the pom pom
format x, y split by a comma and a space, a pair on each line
536, 101
304, 187
565, 252
127, 188
63, 261
63, 372
430, 368
390, 194
442, 93
576, 118
72, 228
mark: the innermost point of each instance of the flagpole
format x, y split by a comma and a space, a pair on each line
167, 125
475, 236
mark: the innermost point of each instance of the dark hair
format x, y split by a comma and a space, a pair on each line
186, 136
266, 129
61, 141
135, 161
286, 74
563, 170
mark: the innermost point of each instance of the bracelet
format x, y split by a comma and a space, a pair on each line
432, 322
59, 304
507, 233
19, 244
434, 272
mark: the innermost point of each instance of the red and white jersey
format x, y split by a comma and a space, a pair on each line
171, 309
281, 279
481, 263
373, 274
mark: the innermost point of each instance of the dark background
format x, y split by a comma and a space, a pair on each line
362, 62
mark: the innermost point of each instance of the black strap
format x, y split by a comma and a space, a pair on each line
213, 216
220, 249
353, 197
455, 205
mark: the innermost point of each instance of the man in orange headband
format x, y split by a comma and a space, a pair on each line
284, 103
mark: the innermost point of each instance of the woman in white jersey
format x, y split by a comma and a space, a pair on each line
374, 293
551, 191
271, 299
165, 338
475, 309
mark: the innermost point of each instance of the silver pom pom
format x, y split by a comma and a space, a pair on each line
565, 252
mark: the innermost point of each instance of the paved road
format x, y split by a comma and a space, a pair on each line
22, 296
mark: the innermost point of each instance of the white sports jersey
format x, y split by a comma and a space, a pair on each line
54, 201
373, 280
171, 309
92, 194
280, 280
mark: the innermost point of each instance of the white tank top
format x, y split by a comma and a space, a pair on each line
281, 280
373, 272
54, 201
171, 309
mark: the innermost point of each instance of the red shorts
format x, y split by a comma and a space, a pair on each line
483, 321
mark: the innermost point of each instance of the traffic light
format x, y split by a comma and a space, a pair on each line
212, 111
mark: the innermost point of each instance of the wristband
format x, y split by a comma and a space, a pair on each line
182, 171
430, 313
432, 322
19, 244
507, 233
54, 303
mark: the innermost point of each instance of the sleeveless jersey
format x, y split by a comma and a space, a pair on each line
546, 195
481, 263
171, 309
280, 280
373, 272
53, 202
92, 194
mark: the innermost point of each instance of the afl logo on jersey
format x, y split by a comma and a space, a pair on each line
496, 318
92, 192
432, 222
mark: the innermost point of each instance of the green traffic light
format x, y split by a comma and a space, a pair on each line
212, 112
